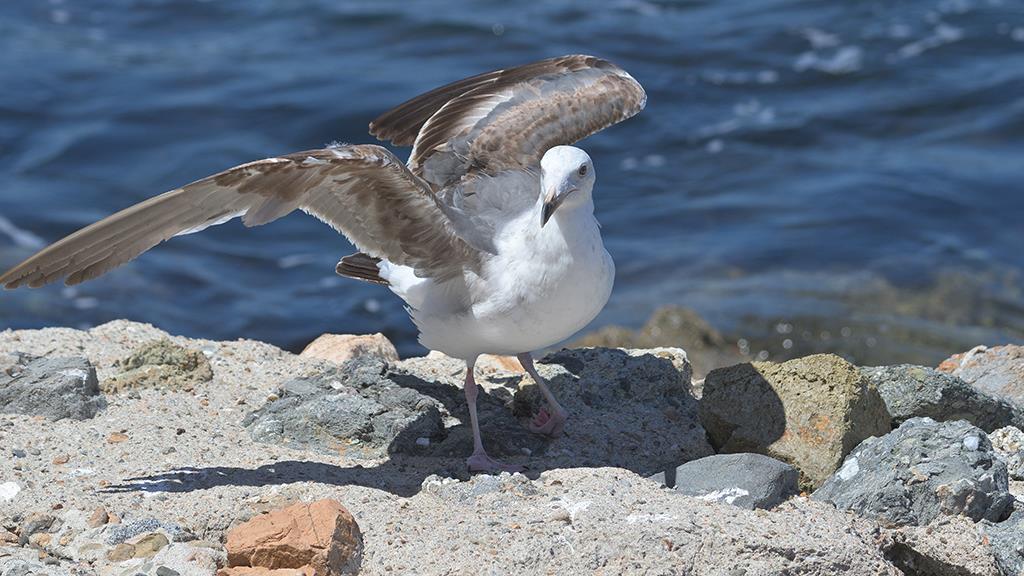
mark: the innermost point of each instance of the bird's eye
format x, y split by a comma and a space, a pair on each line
583, 170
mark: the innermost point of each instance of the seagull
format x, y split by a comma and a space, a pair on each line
487, 233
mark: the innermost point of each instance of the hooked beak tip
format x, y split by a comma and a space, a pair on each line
545, 215
552, 204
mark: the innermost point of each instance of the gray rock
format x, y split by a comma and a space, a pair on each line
997, 371
1008, 443
34, 524
357, 408
910, 391
54, 388
745, 480
19, 568
25, 562
128, 530
1007, 540
920, 471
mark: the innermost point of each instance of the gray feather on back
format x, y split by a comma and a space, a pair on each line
479, 207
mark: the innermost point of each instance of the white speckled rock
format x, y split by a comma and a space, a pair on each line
1008, 443
8, 490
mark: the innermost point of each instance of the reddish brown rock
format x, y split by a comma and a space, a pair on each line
340, 348
318, 539
259, 571
98, 518
117, 437
489, 363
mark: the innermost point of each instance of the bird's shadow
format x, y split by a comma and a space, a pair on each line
646, 444
391, 476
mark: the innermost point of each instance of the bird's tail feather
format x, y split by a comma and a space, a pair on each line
361, 267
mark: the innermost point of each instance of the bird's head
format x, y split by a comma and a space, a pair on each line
567, 180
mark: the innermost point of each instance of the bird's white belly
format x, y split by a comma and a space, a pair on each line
569, 300
533, 295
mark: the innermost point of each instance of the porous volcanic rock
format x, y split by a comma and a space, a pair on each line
159, 364
952, 546
356, 408
920, 471
809, 412
611, 521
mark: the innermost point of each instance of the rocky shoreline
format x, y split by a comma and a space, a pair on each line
124, 451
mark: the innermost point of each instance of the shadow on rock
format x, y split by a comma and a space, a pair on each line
629, 409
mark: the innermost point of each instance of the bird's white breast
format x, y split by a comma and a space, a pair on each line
544, 285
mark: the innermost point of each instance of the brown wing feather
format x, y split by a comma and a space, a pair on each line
401, 124
362, 191
508, 118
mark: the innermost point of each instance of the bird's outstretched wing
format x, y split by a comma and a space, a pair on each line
507, 119
362, 191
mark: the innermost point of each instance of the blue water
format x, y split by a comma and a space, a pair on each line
837, 173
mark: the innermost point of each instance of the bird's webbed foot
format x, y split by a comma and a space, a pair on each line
482, 463
549, 423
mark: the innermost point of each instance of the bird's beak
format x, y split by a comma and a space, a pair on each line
553, 198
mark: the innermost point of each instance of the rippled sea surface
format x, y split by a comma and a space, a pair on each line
807, 175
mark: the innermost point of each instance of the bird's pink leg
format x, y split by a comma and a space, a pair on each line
480, 461
551, 420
